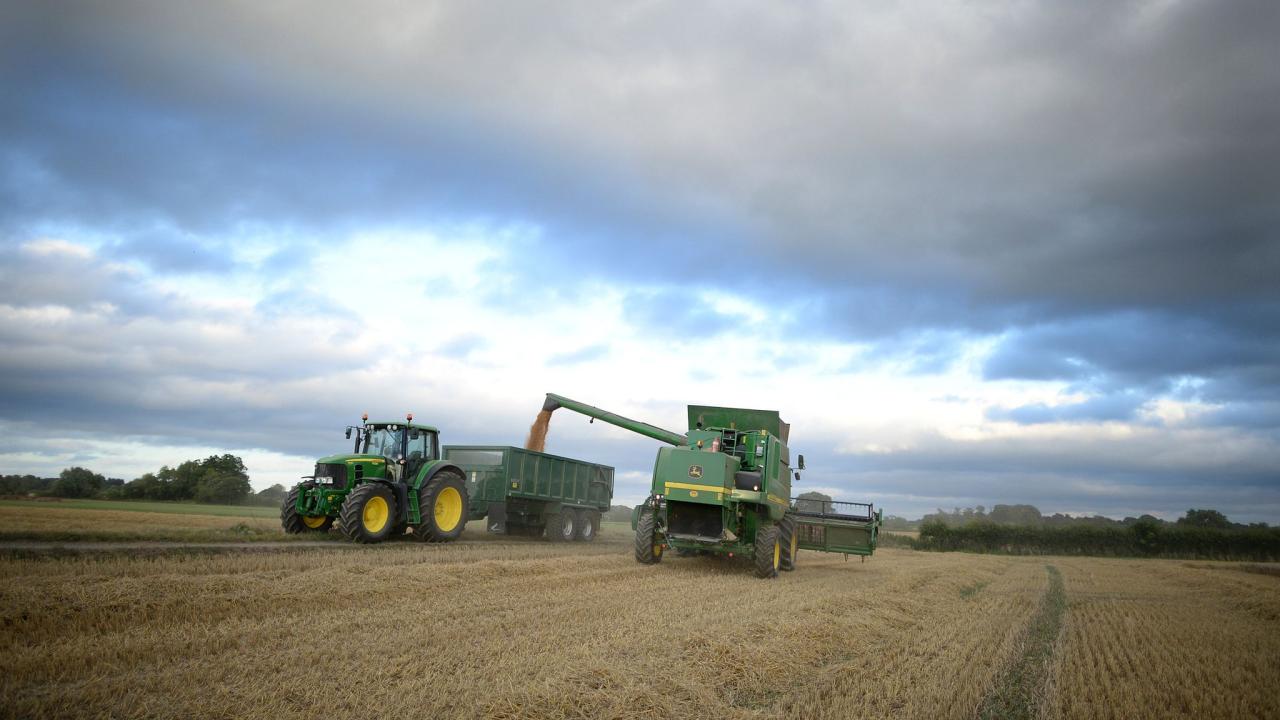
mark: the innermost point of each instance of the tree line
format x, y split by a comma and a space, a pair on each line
217, 479
1200, 533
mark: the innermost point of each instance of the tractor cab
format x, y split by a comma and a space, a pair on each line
404, 446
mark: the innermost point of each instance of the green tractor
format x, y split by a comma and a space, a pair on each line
724, 489
393, 480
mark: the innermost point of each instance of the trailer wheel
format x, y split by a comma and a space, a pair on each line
563, 526
588, 525
369, 513
790, 539
768, 551
648, 549
443, 504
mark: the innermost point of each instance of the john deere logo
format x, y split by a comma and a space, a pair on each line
695, 471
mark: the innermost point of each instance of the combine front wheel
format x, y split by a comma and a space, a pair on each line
789, 539
648, 549
768, 554
368, 513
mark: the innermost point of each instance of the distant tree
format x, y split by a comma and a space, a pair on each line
894, 522
273, 495
1205, 518
618, 513
77, 482
1015, 515
222, 487
1147, 534
216, 479
24, 484
813, 501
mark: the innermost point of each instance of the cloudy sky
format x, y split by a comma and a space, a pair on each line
974, 252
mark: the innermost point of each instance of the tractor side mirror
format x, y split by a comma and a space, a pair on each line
797, 476
348, 433
801, 458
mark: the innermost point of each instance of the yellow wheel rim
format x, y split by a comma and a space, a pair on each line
375, 514
793, 547
315, 522
777, 553
657, 551
448, 509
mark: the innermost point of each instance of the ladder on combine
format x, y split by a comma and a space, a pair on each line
838, 527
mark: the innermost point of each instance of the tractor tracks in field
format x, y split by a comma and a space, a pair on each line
1020, 690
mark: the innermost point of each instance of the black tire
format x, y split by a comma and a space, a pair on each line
768, 551
789, 539
294, 522
369, 513
648, 550
443, 503
563, 526
588, 525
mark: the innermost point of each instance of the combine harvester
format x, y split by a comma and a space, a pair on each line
725, 488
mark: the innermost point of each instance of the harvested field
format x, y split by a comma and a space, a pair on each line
52, 521
528, 629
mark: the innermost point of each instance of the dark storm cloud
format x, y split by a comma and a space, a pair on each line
1099, 409
1050, 159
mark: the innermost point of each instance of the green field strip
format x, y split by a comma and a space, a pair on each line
1017, 691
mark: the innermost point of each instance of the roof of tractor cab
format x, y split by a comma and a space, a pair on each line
416, 426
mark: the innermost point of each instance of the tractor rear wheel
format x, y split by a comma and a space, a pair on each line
369, 513
295, 522
648, 549
563, 526
789, 539
768, 551
443, 504
588, 525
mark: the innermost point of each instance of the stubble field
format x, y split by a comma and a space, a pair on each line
525, 629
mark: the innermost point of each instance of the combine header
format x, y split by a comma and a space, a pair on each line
725, 488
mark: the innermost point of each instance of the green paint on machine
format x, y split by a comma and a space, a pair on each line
724, 487
397, 478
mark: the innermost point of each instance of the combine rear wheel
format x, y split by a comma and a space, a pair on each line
443, 504
768, 554
648, 549
294, 522
562, 527
368, 514
789, 539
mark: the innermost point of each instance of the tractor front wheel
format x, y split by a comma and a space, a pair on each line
648, 549
295, 522
369, 513
768, 551
443, 504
